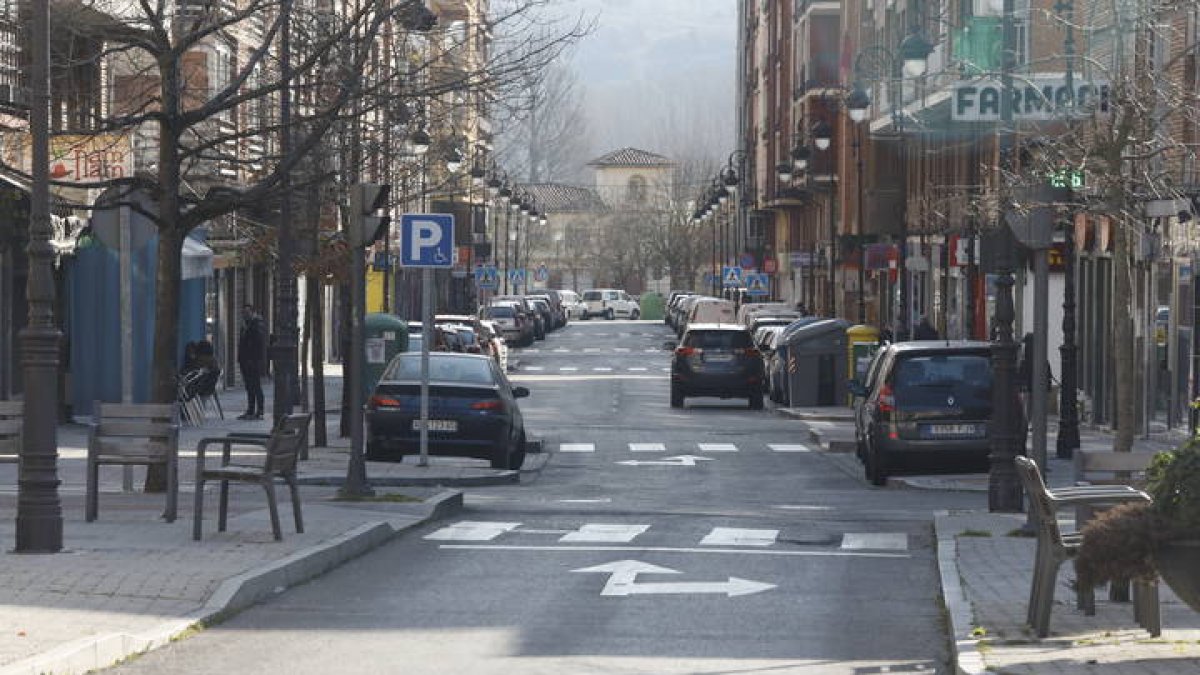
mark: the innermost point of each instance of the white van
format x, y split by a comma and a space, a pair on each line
610, 303
712, 310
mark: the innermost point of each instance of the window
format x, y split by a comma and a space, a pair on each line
635, 192
718, 340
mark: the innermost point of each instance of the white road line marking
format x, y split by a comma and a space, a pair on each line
651, 351
605, 533
666, 370
471, 530
533, 369
788, 447
621, 350
647, 447
567, 369
803, 507
577, 447
637, 370
561, 350
717, 447
670, 549
602, 369
602, 500
591, 350
875, 541
532, 350
735, 536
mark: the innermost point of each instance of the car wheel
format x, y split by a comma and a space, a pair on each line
516, 458
635, 315
609, 315
756, 400
876, 467
676, 397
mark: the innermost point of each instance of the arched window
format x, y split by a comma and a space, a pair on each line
635, 191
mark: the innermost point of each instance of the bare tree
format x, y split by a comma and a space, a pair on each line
543, 130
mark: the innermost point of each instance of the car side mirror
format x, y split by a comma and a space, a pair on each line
670, 345
520, 392
855, 387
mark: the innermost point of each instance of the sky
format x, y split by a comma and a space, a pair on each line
659, 74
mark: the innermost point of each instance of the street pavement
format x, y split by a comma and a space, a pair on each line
985, 565
131, 582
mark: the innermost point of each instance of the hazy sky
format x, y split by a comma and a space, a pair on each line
658, 74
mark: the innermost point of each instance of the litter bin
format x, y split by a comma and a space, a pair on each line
778, 376
864, 342
652, 307
386, 335
817, 364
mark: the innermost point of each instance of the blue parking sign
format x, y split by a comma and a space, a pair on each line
427, 240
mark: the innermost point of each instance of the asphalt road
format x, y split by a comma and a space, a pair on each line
711, 539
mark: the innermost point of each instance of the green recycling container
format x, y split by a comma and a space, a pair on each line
385, 336
652, 307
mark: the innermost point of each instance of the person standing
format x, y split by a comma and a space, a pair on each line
925, 330
251, 348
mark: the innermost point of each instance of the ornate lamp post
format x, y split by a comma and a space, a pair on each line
857, 105
1068, 419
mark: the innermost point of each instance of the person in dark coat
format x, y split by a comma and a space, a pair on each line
925, 330
251, 349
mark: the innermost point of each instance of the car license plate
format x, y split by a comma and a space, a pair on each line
950, 430
718, 358
437, 425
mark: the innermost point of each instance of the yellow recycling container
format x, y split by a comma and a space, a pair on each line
862, 343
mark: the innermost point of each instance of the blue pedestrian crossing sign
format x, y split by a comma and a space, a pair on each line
731, 277
487, 277
758, 284
542, 273
427, 240
516, 276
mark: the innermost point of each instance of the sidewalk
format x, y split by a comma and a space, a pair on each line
131, 582
986, 575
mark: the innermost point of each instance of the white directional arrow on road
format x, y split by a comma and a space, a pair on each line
679, 460
623, 575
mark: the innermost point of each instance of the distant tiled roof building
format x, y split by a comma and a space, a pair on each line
559, 198
631, 157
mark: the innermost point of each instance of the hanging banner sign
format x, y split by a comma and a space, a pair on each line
1035, 98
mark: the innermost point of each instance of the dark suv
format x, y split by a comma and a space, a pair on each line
716, 360
928, 400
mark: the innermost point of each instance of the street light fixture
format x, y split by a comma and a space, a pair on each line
454, 160
800, 155
915, 51
858, 103
785, 172
822, 135
419, 142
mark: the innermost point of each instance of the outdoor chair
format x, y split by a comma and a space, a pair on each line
190, 409
133, 435
206, 390
1055, 546
281, 450
11, 419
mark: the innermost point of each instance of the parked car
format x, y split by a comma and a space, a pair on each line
712, 310
499, 347
860, 391
746, 311
669, 314
930, 403
530, 310
515, 326
542, 307
473, 411
762, 319
716, 360
557, 311
681, 311
610, 304
573, 305
777, 362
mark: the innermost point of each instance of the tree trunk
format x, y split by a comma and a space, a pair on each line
344, 338
1125, 418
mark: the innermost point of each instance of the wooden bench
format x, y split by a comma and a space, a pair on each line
1104, 467
133, 435
11, 420
282, 449
1055, 546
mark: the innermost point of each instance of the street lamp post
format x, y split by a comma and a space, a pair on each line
39, 525
1068, 422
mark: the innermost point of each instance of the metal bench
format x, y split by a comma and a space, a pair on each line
11, 419
133, 435
281, 450
1055, 546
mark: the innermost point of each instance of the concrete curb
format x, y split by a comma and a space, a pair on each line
232, 596
968, 659
500, 478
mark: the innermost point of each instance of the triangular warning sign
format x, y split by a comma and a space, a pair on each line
732, 275
754, 283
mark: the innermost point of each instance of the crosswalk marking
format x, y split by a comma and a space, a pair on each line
736, 536
876, 541
647, 447
717, 447
577, 447
532, 350
591, 350
602, 369
650, 351
621, 350
637, 370
611, 533
788, 447
471, 530
561, 350
568, 369
534, 368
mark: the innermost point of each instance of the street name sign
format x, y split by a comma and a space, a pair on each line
427, 240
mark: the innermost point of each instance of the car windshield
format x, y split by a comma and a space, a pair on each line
591, 295
441, 368
717, 340
932, 381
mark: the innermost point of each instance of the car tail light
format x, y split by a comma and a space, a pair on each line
887, 400
383, 402
687, 351
488, 404
752, 352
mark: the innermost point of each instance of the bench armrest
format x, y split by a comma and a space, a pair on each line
226, 443
1117, 497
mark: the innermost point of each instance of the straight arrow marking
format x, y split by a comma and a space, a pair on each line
681, 460
622, 581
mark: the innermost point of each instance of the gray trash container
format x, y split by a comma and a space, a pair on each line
816, 361
779, 378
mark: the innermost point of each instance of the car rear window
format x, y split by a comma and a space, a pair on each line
924, 381
717, 339
503, 312
441, 368
591, 295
